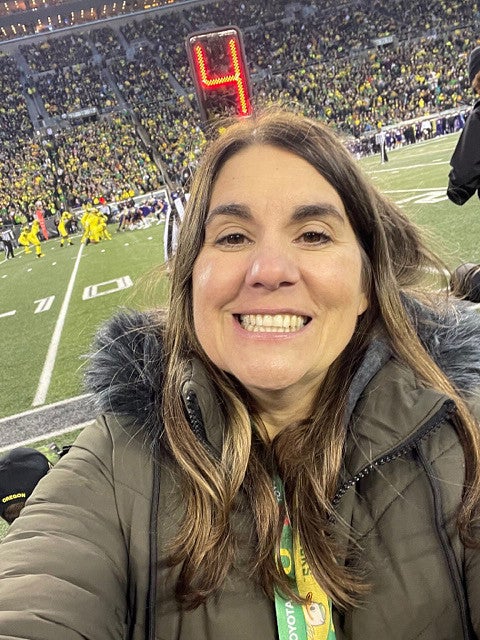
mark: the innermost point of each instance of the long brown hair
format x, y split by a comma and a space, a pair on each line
395, 260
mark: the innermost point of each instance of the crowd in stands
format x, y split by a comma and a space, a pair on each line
166, 34
383, 87
142, 80
362, 66
107, 44
14, 118
25, 176
103, 158
72, 88
55, 53
177, 133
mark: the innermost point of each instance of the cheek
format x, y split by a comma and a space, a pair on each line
201, 286
341, 291
215, 280
201, 277
211, 290
339, 283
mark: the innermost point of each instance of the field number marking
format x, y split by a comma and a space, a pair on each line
119, 284
44, 304
90, 292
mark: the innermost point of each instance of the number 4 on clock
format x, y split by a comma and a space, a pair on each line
220, 73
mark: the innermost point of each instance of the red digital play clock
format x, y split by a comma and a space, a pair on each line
220, 73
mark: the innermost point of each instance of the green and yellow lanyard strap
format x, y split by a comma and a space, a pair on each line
312, 621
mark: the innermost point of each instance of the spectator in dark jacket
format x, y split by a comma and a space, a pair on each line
464, 177
465, 282
20, 471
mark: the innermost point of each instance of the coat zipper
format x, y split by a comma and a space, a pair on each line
151, 605
196, 422
445, 411
455, 577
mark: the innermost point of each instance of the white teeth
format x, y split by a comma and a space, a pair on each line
279, 323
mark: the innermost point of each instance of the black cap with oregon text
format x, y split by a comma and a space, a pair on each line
20, 470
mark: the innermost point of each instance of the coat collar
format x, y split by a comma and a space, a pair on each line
392, 414
126, 368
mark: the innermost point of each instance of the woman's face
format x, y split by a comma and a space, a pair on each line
277, 285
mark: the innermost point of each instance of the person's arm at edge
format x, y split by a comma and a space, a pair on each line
63, 565
464, 177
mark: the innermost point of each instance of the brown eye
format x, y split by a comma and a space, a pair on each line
232, 239
314, 237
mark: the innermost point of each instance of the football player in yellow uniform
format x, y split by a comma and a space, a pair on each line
23, 239
88, 223
103, 234
62, 229
95, 222
32, 238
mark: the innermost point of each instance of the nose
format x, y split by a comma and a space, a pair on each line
272, 267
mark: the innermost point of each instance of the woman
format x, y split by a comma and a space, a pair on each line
289, 452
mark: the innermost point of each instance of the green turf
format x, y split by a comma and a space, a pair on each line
415, 176
27, 279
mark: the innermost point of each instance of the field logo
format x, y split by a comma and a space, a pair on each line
419, 196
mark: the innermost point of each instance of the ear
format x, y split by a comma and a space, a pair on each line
362, 303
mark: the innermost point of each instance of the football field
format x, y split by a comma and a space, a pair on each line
416, 178
51, 307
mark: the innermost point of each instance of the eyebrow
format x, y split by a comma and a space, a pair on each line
302, 212
235, 210
317, 210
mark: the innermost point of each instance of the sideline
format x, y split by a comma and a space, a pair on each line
46, 436
47, 421
30, 412
46, 375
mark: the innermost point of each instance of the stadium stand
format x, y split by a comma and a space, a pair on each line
103, 110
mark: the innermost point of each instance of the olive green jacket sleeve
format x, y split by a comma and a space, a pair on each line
63, 564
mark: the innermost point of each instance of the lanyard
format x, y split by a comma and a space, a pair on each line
312, 621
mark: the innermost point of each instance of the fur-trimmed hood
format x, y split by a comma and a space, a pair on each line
126, 365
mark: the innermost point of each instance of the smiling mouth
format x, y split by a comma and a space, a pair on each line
278, 323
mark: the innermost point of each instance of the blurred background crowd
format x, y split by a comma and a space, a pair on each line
101, 105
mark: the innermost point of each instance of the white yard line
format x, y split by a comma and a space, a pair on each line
394, 169
46, 436
30, 412
414, 190
49, 363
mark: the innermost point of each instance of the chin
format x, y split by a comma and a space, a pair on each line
269, 380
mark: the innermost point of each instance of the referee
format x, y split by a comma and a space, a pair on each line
7, 237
